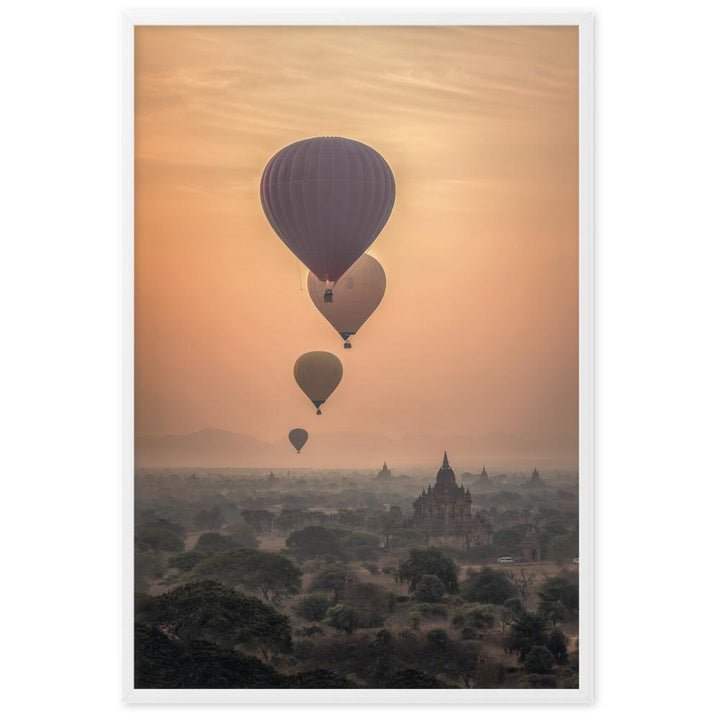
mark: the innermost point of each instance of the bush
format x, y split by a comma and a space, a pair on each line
427, 610
313, 607
430, 589
186, 561
557, 645
477, 616
215, 542
369, 602
158, 538
527, 631
343, 618
332, 578
429, 561
488, 586
559, 598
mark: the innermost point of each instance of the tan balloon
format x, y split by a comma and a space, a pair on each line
318, 373
355, 296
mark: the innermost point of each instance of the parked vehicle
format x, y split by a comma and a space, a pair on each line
505, 560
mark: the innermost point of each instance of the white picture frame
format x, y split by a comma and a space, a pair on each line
584, 21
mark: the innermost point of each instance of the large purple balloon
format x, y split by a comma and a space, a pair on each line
327, 198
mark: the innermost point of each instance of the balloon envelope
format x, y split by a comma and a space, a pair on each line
318, 373
355, 296
298, 437
327, 198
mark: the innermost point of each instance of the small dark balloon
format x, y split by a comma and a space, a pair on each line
298, 437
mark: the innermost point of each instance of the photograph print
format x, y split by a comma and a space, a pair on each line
356, 358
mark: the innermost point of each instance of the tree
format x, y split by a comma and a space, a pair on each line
215, 542
158, 538
429, 561
273, 575
163, 663
331, 578
488, 586
559, 598
216, 613
557, 645
538, 660
477, 616
186, 561
313, 541
522, 581
369, 602
528, 630
312, 607
242, 534
430, 589
343, 618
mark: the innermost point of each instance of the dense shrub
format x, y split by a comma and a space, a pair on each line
430, 589
312, 607
539, 660
488, 586
430, 561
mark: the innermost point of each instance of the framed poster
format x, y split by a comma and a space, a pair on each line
357, 357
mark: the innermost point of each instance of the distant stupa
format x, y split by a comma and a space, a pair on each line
535, 479
384, 474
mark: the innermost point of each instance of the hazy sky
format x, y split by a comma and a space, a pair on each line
477, 333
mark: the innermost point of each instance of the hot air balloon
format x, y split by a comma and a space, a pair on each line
318, 373
298, 437
355, 296
327, 198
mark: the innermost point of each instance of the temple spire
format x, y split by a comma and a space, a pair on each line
445, 464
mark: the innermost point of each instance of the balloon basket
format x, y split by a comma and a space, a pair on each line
318, 412
347, 345
328, 297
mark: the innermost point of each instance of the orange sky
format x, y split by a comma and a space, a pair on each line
477, 333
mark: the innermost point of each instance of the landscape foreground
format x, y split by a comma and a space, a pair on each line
350, 579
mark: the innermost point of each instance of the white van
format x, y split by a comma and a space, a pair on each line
505, 560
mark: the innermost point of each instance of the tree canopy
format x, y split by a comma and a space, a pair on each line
273, 575
430, 561
488, 586
216, 613
430, 589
